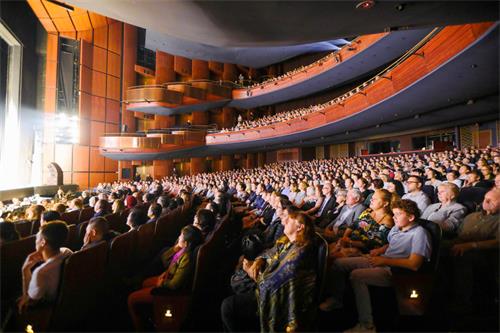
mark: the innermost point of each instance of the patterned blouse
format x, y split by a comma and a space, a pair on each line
368, 231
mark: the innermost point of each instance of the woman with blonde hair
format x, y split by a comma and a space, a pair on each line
370, 230
118, 207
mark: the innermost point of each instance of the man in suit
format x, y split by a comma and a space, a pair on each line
348, 214
324, 214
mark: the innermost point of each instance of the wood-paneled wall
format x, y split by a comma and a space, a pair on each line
101, 41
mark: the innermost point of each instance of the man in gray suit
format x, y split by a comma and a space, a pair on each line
348, 214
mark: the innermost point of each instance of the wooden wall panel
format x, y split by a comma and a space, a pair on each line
115, 37
96, 160
81, 20
200, 69
81, 158
99, 59
98, 110
86, 79
98, 84
230, 72
164, 67
96, 178
82, 179
114, 64
101, 37
112, 111
216, 67
110, 177
182, 66
84, 131
128, 74
85, 105
113, 88
86, 54
110, 165
87, 36
96, 131
111, 128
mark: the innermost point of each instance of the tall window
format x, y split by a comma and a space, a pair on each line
67, 128
10, 82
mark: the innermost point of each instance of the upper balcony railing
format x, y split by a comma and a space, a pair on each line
423, 58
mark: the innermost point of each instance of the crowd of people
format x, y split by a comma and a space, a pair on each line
373, 212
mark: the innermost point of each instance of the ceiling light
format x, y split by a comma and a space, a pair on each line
400, 7
364, 5
470, 102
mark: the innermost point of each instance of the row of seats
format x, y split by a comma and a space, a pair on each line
90, 274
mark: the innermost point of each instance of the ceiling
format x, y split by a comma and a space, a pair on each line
233, 31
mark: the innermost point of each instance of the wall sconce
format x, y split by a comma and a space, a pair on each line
414, 294
168, 313
29, 329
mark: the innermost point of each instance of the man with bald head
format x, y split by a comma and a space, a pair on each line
475, 250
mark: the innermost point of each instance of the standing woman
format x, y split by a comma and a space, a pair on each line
178, 275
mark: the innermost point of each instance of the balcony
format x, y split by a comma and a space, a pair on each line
177, 97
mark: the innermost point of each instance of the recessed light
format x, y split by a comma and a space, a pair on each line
364, 5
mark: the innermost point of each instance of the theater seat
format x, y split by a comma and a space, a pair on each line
472, 197
145, 235
422, 281
117, 223
82, 228
430, 191
203, 301
86, 214
121, 254
13, 255
81, 286
23, 228
72, 241
71, 217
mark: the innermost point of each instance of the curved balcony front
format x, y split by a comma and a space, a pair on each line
158, 143
431, 86
177, 97
363, 55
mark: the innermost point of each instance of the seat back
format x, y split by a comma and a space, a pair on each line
430, 191
117, 223
35, 226
23, 228
71, 217
321, 265
145, 235
72, 241
121, 253
13, 255
82, 228
472, 197
81, 285
86, 214
436, 234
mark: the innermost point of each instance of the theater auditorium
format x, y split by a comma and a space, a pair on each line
249, 166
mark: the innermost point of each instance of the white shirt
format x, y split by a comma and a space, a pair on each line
44, 281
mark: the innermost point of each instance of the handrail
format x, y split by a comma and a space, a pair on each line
362, 86
305, 67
